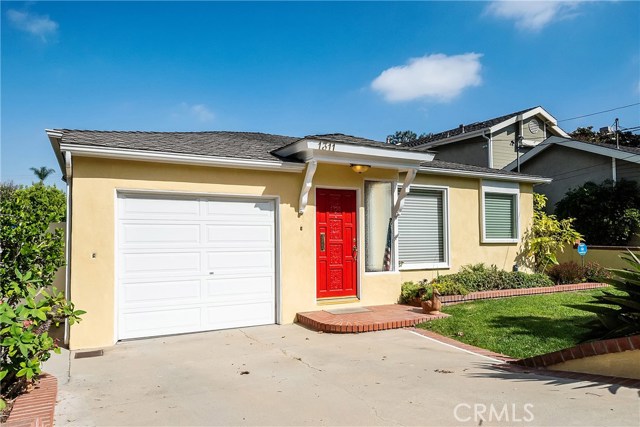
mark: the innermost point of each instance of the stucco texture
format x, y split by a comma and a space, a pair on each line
624, 365
96, 183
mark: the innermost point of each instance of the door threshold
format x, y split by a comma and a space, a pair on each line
341, 300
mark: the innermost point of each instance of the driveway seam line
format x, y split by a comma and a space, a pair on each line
457, 348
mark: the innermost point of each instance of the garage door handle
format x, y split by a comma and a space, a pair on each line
211, 273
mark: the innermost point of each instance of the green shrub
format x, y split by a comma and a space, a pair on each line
571, 272
475, 278
566, 272
29, 305
410, 291
594, 272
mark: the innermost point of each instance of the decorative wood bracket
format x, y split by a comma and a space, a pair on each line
408, 180
306, 186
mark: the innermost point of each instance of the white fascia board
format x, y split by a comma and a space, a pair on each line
603, 151
548, 119
377, 162
489, 175
162, 157
577, 145
340, 153
54, 139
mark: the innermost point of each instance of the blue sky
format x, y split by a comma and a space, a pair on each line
366, 69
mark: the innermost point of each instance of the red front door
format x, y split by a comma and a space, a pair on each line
336, 243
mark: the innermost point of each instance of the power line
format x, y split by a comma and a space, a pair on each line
599, 112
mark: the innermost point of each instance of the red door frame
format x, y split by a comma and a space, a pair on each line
336, 243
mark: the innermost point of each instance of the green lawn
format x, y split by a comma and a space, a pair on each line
518, 326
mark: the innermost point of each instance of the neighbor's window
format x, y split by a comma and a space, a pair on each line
422, 229
378, 226
500, 212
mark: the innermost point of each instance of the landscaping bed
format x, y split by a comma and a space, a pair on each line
521, 326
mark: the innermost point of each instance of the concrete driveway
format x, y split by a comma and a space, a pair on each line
288, 375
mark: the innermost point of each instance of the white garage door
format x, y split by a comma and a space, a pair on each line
194, 264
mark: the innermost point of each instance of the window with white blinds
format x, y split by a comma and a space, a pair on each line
500, 216
422, 229
500, 211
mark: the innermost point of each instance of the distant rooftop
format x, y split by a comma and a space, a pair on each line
471, 127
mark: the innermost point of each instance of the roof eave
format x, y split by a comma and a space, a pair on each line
165, 157
489, 175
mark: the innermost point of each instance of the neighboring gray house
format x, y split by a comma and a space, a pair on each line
490, 143
571, 163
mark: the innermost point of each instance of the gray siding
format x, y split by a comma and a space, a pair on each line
503, 152
571, 168
470, 152
627, 170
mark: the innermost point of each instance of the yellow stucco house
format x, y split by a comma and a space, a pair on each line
176, 232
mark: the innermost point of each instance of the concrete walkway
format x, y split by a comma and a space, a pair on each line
289, 375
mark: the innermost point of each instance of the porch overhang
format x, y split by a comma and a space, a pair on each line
313, 151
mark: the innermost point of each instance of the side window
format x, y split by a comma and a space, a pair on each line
378, 226
500, 212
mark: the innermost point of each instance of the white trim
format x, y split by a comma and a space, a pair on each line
162, 157
342, 153
306, 186
577, 145
494, 187
178, 194
493, 176
446, 230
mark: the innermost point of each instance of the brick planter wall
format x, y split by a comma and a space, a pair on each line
594, 348
35, 408
473, 296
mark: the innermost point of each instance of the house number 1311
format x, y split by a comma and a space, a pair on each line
328, 146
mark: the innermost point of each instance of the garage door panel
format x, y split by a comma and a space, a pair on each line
232, 261
247, 287
158, 263
238, 315
194, 264
228, 210
150, 207
167, 234
171, 291
238, 235
160, 322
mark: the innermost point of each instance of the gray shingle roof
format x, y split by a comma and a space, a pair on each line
243, 145
438, 164
465, 129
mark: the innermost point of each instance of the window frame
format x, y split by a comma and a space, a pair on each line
501, 187
446, 229
394, 248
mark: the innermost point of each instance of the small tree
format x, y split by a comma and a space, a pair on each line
42, 172
547, 236
29, 305
606, 213
403, 137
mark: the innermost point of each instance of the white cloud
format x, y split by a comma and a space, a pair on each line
532, 15
198, 111
39, 26
437, 77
